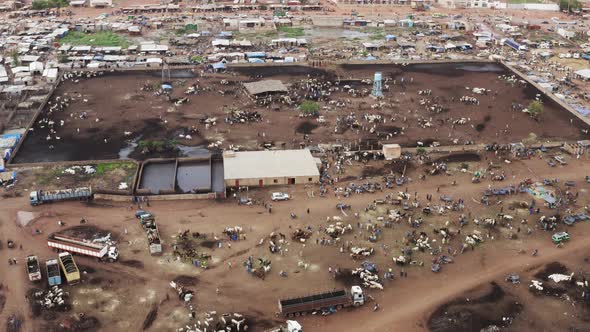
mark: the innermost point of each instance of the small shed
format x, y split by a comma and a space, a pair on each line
392, 151
264, 87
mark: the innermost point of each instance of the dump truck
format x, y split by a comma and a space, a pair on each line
33, 269
324, 301
53, 274
69, 267
38, 197
148, 222
103, 251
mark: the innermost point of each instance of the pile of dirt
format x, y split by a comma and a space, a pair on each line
208, 244
306, 127
464, 314
186, 280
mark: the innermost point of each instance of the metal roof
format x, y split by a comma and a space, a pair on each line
268, 164
255, 88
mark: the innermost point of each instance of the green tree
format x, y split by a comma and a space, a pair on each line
569, 5
535, 109
309, 107
15, 58
62, 58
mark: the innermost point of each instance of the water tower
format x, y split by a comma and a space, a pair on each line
377, 90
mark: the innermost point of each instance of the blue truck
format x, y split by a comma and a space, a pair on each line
514, 45
53, 274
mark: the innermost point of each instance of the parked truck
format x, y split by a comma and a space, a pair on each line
148, 222
53, 274
38, 197
33, 269
324, 301
69, 267
103, 251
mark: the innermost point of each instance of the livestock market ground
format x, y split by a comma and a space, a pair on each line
108, 117
467, 295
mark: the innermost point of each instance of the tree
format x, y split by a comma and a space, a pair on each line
309, 107
15, 58
569, 5
535, 109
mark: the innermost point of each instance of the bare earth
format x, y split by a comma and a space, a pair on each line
120, 295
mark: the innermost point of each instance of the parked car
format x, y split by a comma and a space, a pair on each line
560, 237
245, 201
280, 196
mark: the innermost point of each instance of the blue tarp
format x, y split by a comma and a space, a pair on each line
289, 59
390, 37
255, 60
17, 136
540, 192
582, 110
219, 65
370, 58
255, 55
167, 86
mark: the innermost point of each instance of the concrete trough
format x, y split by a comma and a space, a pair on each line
157, 176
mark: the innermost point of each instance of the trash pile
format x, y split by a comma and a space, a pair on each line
234, 322
79, 170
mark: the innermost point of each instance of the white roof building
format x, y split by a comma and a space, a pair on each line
277, 167
583, 74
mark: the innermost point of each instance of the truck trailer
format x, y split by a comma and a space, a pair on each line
38, 197
102, 251
148, 222
514, 45
33, 269
69, 267
324, 301
53, 274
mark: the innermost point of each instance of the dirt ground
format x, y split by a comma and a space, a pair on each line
108, 118
122, 294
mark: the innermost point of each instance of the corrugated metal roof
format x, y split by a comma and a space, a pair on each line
269, 164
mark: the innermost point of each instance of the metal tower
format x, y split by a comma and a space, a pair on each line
377, 90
